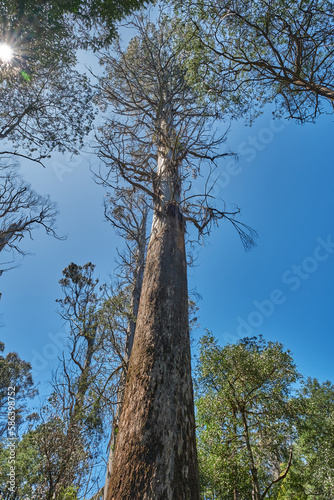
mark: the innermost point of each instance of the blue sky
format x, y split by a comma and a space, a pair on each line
283, 289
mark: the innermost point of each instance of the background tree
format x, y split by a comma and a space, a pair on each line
60, 453
127, 211
46, 104
14, 372
249, 53
246, 417
86, 384
85, 23
21, 209
155, 143
65, 442
312, 472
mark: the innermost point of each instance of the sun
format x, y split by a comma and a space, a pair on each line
6, 52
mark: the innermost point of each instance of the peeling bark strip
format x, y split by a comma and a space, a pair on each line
155, 456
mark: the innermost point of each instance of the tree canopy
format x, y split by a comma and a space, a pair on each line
245, 415
14, 372
311, 474
248, 53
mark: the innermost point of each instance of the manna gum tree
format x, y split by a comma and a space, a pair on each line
156, 142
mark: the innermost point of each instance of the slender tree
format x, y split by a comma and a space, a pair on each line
155, 143
86, 382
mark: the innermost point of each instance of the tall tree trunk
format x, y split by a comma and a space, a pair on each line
155, 455
134, 306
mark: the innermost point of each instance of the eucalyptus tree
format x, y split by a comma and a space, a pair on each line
45, 106
246, 415
87, 378
127, 211
87, 23
60, 455
156, 141
46, 103
250, 52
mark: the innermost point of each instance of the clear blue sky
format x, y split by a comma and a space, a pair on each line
283, 288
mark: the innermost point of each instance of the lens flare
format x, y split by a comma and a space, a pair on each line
6, 52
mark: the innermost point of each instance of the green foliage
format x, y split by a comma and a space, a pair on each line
70, 493
50, 109
46, 104
27, 466
14, 372
85, 23
247, 53
245, 414
50, 461
312, 474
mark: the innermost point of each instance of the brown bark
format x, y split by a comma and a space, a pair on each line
155, 455
134, 306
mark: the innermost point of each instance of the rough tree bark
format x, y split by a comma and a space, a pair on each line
255, 480
155, 454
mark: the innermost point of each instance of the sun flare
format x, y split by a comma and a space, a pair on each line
6, 52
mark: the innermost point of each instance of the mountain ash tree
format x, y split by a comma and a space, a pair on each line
159, 136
